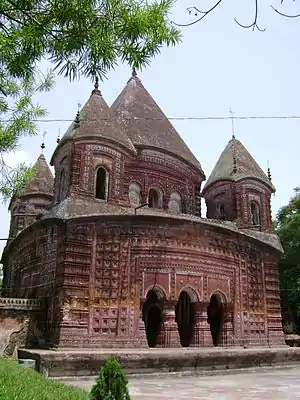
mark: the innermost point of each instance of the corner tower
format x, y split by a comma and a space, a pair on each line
89, 157
35, 199
238, 189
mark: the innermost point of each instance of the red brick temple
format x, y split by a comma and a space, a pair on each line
117, 246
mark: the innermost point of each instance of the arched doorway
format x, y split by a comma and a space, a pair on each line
185, 317
215, 314
152, 315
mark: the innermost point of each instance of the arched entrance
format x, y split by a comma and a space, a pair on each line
215, 314
152, 315
185, 316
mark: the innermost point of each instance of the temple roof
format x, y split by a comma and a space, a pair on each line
94, 120
235, 164
146, 125
42, 180
81, 207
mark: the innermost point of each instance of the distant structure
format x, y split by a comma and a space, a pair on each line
116, 246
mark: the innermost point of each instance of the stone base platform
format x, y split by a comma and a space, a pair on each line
86, 363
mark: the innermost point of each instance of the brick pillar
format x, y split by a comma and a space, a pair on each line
227, 334
196, 335
169, 335
205, 339
142, 331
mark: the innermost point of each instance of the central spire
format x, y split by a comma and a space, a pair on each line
145, 123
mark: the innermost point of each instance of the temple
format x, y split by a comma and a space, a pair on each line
117, 247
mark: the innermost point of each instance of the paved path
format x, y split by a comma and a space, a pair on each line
271, 384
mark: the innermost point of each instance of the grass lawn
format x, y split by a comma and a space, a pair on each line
21, 383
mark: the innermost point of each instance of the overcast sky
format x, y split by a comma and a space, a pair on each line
218, 66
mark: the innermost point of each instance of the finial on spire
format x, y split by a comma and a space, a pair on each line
134, 74
58, 137
43, 143
96, 86
232, 123
269, 172
77, 118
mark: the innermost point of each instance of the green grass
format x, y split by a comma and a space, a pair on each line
21, 383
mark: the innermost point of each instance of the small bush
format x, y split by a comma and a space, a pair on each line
111, 383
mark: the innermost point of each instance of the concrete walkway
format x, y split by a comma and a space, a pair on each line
259, 384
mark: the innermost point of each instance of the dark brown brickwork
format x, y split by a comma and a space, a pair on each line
116, 276
236, 197
105, 269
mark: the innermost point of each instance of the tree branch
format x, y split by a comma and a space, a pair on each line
197, 11
31, 18
254, 23
285, 15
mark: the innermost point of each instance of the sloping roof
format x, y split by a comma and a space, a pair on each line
81, 207
245, 166
94, 120
42, 180
145, 124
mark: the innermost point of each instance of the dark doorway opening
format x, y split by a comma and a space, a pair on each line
215, 313
152, 316
185, 317
153, 200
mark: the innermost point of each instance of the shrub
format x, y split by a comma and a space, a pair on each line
111, 383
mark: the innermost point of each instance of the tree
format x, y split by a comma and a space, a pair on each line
80, 38
200, 14
18, 108
111, 383
288, 230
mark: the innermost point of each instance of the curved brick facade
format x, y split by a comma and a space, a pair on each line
116, 275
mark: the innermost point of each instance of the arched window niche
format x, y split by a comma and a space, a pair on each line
62, 184
174, 205
155, 198
221, 214
101, 191
255, 213
135, 194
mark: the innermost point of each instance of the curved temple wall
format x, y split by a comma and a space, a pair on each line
123, 258
107, 267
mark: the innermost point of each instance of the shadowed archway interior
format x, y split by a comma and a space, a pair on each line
185, 318
215, 314
152, 316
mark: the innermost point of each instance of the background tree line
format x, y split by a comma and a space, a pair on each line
288, 229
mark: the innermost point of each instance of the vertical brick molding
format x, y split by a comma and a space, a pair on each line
205, 338
92, 279
169, 335
196, 334
228, 334
142, 331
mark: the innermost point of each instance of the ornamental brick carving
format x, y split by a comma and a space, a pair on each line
112, 276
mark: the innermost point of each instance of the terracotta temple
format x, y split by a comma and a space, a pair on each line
116, 244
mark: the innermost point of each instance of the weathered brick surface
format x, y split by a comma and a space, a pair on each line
96, 261
76, 363
96, 275
21, 324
